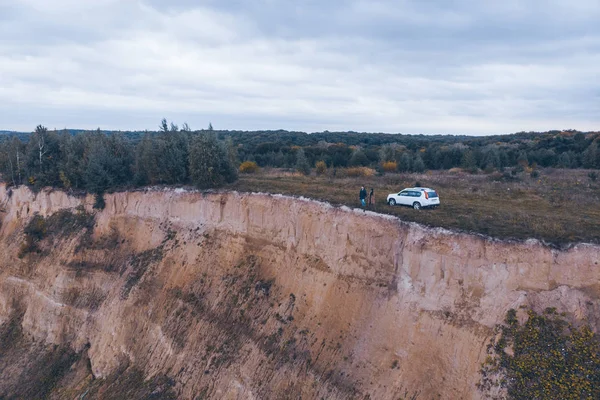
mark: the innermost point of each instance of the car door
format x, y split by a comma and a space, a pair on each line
403, 198
416, 197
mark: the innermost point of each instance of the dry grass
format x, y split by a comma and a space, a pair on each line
559, 206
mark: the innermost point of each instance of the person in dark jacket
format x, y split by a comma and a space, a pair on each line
363, 196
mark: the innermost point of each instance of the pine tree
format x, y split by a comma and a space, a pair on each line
418, 164
109, 163
359, 159
386, 153
405, 164
164, 125
564, 161
591, 156
468, 161
209, 163
302, 164
523, 160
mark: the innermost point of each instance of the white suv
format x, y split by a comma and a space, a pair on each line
417, 198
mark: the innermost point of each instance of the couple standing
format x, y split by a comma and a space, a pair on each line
363, 197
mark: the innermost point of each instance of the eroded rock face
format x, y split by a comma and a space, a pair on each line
251, 296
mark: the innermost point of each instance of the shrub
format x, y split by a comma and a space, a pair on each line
62, 223
390, 166
28, 246
544, 358
360, 172
99, 202
320, 167
248, 167
66, 183
534, 174
37, 228
497, 176
593, 176
489, 169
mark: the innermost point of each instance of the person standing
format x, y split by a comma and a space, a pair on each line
363, 196
371, 198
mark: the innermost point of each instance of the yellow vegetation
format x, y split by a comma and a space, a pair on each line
360, 171
248, 167
544, 358
320, 167
390, 166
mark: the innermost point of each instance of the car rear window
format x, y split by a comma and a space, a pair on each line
432, 194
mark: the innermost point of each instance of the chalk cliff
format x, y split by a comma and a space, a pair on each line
177, 294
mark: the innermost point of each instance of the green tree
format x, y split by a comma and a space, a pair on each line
302, 164
11, 160
523, 161
468, 161
405, 163
73, 150
591, 156
146, 160
210, 165
108, 164
97, 173
491, 159
564, 160
176, 156
42, 158
358, 159
162, 158
418, 165
232, 152
386, 153
164, 125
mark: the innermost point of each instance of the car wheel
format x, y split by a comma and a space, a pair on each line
392, 202
417, 205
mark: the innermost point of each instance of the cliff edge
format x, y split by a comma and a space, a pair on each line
168, 293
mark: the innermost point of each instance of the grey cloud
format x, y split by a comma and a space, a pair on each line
436, 66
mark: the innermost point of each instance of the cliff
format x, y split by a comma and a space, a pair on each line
176, 294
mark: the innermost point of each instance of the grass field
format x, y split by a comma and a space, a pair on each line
558, 206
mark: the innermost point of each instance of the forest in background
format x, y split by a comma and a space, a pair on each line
97, 161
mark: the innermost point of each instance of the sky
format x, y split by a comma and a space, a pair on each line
474, 67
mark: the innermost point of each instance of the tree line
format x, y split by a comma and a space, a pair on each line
415, 153
97, 161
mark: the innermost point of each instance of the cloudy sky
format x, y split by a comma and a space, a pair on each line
422, 66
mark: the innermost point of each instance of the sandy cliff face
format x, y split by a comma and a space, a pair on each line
172, 294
